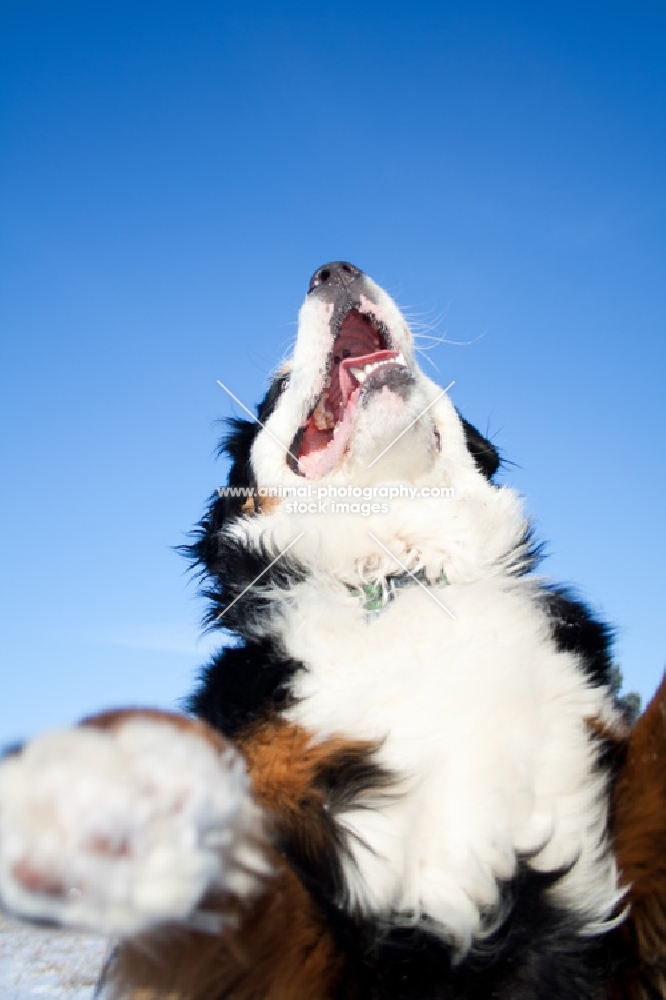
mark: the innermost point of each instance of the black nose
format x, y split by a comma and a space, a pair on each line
339, 274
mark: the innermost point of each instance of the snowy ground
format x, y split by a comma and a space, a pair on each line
44, 963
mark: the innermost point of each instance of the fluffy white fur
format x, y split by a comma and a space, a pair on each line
126, 830
484, 723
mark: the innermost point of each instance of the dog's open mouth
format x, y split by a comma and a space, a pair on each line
360, 360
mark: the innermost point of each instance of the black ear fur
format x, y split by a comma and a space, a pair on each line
237, 445
485, 454
270, 400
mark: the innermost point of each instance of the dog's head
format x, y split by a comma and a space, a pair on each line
353, 403
352, 409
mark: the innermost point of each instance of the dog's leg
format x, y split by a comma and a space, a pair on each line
145, 826
280, 948
129, 822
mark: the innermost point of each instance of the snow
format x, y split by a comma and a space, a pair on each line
36, 962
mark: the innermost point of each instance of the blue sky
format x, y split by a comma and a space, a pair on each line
172, 173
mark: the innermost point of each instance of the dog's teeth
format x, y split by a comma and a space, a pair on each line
400, 360
358, 373
323, 418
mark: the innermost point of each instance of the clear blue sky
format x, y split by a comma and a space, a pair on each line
172, 173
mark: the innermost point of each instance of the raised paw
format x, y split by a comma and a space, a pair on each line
127, 822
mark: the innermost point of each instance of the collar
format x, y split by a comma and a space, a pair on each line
376, 596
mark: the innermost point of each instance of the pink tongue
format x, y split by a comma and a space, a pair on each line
347, 381
320, 462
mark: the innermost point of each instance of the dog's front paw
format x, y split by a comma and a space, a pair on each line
126, 823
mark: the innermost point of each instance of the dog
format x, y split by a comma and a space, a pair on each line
405, 775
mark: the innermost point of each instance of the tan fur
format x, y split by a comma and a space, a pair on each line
285, 763
617, 733
261, 505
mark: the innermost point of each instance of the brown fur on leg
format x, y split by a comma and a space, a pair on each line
279, 947
280, 950
640, 845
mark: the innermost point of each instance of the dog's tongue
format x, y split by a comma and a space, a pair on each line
316, 461
357, 344
348, 381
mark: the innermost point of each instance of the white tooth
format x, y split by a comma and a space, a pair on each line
358, 373
320, 419
400, 360
323, 418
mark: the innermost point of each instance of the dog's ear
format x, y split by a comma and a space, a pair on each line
272, 397
485, 455
237, 444
203, 553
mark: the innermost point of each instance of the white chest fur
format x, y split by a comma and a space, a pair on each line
485, 725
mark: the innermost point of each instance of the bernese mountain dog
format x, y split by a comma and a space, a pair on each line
406, 774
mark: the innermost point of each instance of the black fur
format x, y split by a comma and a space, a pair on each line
204, 553
242, 684
538, 952
526, 556
245, 576
247, 680
250, 678
575, 630
485, 454
313, 840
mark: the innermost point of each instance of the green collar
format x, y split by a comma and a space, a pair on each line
376, 596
